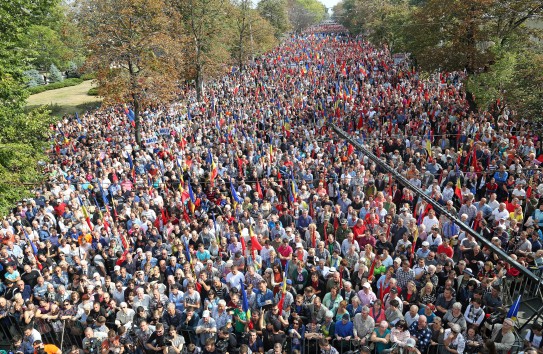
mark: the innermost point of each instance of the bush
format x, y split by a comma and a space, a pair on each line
54, 86
73, 70
34, 78
88, 76
54, 74
93, 91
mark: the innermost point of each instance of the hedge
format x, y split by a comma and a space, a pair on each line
55, 85
93, 91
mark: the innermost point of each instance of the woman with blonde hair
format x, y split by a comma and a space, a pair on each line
427, 295
312, 236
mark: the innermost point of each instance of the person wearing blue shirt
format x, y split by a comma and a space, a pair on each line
344, 331
264, 296
304, 221
501, 175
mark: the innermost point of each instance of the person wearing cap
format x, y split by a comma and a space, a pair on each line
366, 295
453, 340
206, 327
411, 346
424, 251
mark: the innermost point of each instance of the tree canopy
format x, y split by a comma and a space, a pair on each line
489, 39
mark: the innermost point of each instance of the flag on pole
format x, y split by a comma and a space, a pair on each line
85, 213
513, 310
458, 189
284, 289
213, 172
235, 195
192, 198
244, 301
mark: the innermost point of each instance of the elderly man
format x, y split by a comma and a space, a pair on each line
421, 333
363, 325
206, 328
503, 336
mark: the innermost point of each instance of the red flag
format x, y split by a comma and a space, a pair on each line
243, 246
186, 216
259, 190
122, 258
372, 268
350, 150
254, 242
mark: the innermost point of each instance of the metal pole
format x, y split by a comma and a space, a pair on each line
404, 181
62, 336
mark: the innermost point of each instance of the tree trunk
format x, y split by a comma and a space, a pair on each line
199, 73
137, 118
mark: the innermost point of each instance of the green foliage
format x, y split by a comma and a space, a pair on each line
275, 11
304, 13
89, 76
34, 78
490, 86
54, 74
93, 91
55, 85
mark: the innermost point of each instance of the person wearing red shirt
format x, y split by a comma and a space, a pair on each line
359, 228
445, 248
285, 252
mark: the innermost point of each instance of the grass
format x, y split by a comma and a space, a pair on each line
66, 100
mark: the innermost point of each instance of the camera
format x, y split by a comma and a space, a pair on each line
168, 342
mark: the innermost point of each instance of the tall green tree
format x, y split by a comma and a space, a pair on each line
206, 24
304, 13
23, 137
252, 35
275, 11
133, 51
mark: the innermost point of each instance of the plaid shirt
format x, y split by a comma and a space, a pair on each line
404, 277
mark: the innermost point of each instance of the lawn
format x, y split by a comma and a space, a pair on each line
66, 100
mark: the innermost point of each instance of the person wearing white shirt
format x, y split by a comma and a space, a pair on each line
501, 212
233, 278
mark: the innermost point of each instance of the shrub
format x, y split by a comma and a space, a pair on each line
54, 74
54, 86
93, 91
34, 78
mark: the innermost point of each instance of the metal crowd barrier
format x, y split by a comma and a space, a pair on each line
531, 293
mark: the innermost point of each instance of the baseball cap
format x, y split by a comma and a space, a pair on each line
289, 282
205, 313
366, 285
425, 244
410, 342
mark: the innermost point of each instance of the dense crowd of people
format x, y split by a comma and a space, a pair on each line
243, 224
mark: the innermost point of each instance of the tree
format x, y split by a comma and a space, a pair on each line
304, 13
275, 11
54, 74
205, 23
23, 136
34, 78
133, 51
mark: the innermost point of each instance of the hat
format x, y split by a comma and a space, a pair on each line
468, 272
343, 221
393, 291
332, 270
139, 250
116, 268
96, 274
205, 313
289, 282
299, 245
366, 285
288, 229
410, 342
345, 316
425, 244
